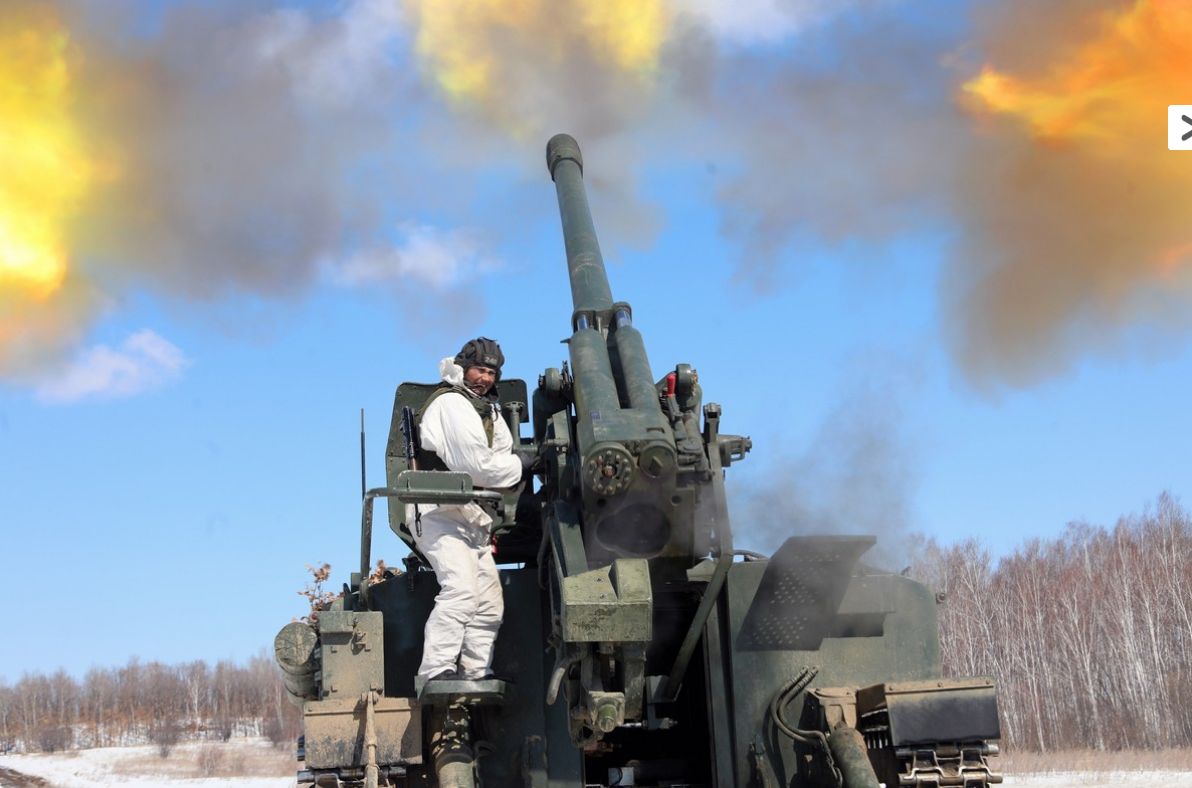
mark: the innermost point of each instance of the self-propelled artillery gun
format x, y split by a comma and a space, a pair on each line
639, 646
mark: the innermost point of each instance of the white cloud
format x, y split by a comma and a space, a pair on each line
142, 362
759, 21
335, 62
428, 255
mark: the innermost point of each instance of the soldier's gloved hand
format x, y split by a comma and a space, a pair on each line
530, 461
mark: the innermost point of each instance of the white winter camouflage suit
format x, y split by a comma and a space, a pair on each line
455, 539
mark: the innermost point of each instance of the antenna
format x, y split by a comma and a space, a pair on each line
363, 486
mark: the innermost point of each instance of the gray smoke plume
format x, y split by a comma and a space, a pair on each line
1062, 249
829, 159
257, 150
856, 475
248, 145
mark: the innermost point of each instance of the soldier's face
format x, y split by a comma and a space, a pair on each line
480, 379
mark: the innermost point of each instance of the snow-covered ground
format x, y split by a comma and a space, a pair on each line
246, 763
250, 763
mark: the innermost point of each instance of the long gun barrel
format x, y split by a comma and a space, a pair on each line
626, 443
589, 281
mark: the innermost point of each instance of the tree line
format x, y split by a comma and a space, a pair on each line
1088, 635
146, 703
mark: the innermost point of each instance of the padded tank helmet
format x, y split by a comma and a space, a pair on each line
481, 352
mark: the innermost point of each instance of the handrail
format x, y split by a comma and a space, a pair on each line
409, 493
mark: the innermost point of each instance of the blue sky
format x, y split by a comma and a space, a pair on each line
188, 441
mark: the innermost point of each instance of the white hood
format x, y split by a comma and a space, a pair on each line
451, 372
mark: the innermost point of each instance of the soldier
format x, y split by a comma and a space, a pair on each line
461, 430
